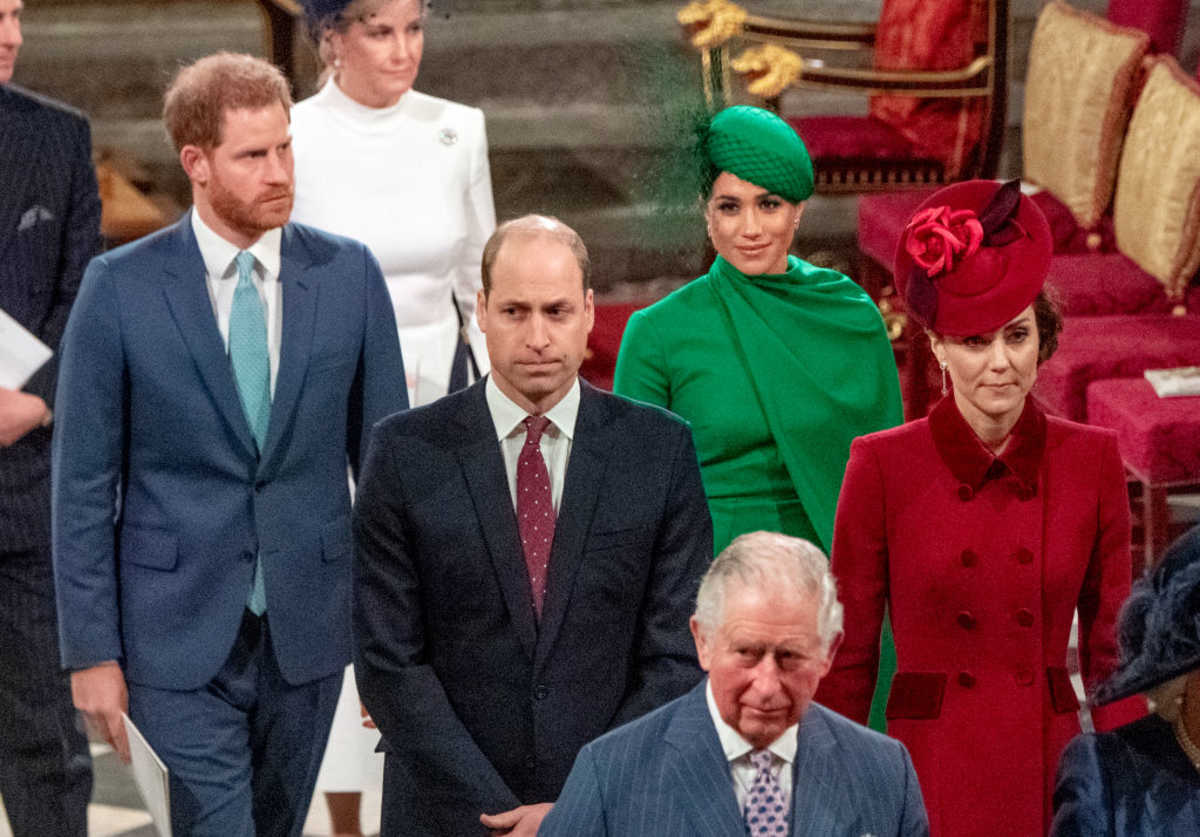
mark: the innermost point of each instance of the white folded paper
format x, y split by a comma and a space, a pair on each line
21, 353
151, 777
1169, 383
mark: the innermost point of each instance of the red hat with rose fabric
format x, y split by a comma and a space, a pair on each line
972, 257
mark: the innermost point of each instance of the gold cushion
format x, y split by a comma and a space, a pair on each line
1156, 213
1077, 90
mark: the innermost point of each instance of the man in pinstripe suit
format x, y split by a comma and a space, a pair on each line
747, 751
49, 229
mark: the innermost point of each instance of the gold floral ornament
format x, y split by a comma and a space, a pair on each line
769, 69
711, 23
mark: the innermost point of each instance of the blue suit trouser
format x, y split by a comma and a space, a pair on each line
243, 751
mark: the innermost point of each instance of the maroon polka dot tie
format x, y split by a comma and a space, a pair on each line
765, 813
535, 508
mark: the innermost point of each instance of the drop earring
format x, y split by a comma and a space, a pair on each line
945, 387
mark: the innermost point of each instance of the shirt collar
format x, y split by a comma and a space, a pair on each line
972, 463
507, 415
735, 747
218, 253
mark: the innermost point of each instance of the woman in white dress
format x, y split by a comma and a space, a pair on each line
407, 174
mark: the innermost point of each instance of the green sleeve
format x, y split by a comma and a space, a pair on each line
641, 364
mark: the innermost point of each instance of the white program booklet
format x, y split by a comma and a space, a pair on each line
21, 353
1169, 383
150, 775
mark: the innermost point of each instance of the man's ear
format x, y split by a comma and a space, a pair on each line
703, 649
195, 164
834, 645
481, 310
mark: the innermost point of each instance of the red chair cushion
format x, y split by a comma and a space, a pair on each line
1096, 348
1068, 235
1162, 20
1099, 284
605, 340
1159, 437
852, 138
881, 221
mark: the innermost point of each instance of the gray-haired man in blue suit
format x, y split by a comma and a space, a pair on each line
747, 751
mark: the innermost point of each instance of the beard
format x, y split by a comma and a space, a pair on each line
254, 217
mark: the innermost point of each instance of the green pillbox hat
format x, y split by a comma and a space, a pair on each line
759, 147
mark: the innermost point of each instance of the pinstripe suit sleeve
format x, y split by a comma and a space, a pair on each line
80, 242
579, 810
914, 820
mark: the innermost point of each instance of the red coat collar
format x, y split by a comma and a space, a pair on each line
972, 463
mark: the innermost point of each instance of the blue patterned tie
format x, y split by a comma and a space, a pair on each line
252, 371
765, 813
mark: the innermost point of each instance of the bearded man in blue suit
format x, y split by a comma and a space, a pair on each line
747, 751
215, 379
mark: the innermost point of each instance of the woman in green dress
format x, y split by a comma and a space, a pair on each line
776, 363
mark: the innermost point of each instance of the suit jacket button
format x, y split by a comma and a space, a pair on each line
530, 762
1025, 618
1024, 556
247, 556
540, 693
966, 620
966, 679
965, 492
1024, 677
969, 558
1026, 492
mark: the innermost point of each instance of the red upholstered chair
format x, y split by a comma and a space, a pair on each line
936, 81
1162, 20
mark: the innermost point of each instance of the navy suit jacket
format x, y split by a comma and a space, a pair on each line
666, 774
1132, 782
161, 500
49, 229
481, 707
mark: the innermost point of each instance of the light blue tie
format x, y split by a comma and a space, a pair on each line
252, 371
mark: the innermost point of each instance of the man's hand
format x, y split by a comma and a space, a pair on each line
519, 822
20, 412
99, 693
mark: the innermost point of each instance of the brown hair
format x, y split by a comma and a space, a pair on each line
1049, 323
195, 102
534, 225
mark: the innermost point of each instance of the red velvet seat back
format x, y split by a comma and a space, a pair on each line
923, 35
1162, 20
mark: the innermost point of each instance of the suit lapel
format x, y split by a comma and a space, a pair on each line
581, 490
19, 144
299, 288
700, 772
483, 468
188, 299
820, 804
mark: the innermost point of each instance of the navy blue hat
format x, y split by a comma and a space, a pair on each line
316, 10
1159, 628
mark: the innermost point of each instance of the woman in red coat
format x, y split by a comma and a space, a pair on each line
980, 530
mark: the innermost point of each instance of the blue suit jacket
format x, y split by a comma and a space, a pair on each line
161, 500
666, 774
1132, 782
49, 229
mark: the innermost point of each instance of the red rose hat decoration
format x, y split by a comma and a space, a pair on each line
972, 257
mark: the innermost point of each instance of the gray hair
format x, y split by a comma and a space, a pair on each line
770, 562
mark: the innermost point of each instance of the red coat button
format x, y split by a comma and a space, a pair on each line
966, 620
969, 558
1025, 618
966, 679
1024, 556
965, 492
1024, 677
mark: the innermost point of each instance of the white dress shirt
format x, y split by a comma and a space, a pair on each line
508, 418
737, 753
221, 278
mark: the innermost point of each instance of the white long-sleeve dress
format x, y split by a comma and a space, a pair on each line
412, 182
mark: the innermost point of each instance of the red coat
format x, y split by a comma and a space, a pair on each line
982, 562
